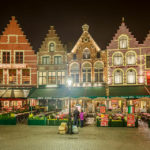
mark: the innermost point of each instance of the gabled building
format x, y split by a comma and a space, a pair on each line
18, 63
87, 62
124, 59
52, 61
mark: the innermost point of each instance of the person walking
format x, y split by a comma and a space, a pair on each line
76, 116
81, 118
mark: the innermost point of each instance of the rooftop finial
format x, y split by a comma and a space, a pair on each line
85, 27
122, 19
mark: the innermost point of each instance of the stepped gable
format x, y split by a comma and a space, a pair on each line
13, 37
123, 30
80, 42
146, 43
51, 36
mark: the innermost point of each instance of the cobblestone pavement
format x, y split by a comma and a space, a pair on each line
24, 137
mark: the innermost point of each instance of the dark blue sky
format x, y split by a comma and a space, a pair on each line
104, 18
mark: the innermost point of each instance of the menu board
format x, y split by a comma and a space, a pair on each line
104, 120
130, 120
102, 109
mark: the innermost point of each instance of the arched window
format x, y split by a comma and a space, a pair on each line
118, 77
51, 47
130, 58
131, 76
98, 71
75, 72
117, 59
86, 54
86, 71
123, 42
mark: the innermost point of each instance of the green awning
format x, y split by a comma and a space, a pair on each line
61, 92
128, 91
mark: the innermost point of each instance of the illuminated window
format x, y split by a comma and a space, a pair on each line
19, 58
25, 76
1, 76
86, 53
131, 76
52, 78
147, 61
75, 73
51, 47
42, 78
57, 60
86, 72
12, 76
45, 60
61, 77
117, 59
130, 58
6, 57
118, 77
98, 71
123, 42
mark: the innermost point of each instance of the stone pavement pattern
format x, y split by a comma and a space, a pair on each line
23, 137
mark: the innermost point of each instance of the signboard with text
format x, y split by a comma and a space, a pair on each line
130, 120
104, 120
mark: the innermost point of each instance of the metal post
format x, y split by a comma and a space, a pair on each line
70, 120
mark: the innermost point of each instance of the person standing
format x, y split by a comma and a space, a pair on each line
81, 118
76, 116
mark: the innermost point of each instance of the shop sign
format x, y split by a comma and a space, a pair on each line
102, 109
104, 120
130, 120
12, 65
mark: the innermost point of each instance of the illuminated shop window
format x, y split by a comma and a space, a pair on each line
75, 72
98, 71
25, 76
118, 59
118, 77
131, 76
131, 58
123, 42
86, 72
61, 77
42, 78
52, 78
12, 76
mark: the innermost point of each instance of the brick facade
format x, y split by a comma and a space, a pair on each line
18, 62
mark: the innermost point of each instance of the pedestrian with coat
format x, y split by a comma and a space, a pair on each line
81, 118
76, 116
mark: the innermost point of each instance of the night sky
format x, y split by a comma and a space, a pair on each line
103, 17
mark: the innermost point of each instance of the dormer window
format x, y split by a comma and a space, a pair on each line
123, 42
86, 53
51, 47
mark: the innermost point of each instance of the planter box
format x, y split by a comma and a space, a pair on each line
117, 123
11, 121
98, 123
36, 122
56, 122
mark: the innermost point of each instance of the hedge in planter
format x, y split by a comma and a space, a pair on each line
37, 121
116, 123
56, 122
8, 121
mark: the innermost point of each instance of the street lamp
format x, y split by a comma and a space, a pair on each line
69, 84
